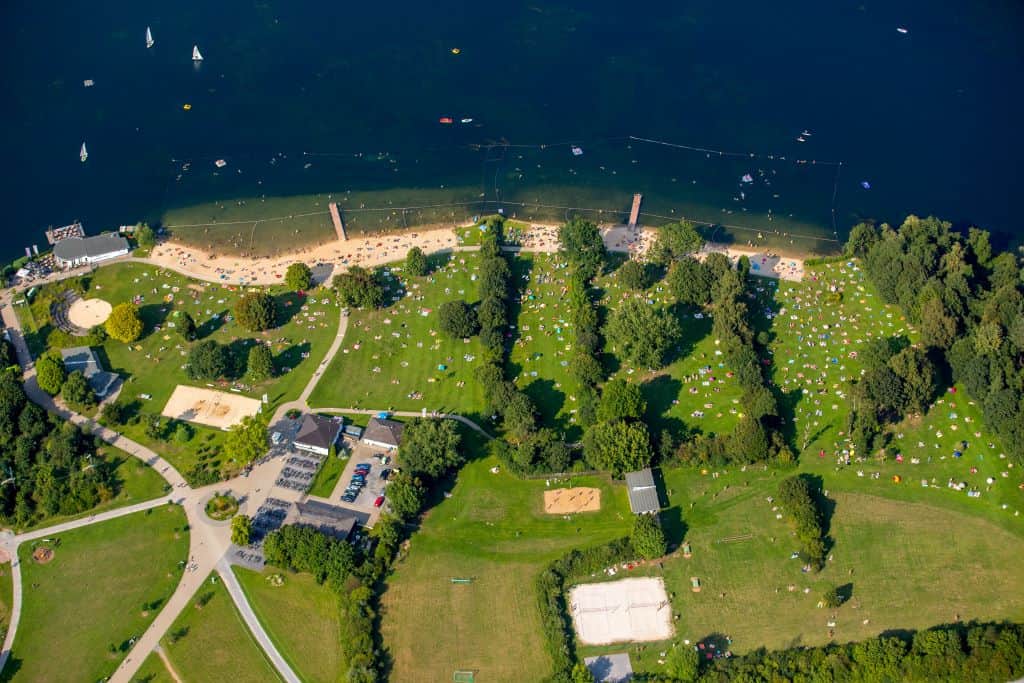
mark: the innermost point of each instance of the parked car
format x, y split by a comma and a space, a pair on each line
359, 477
380, 501
362, 469
276, 437
348, 498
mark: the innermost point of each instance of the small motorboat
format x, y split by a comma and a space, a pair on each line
220, 163
747, 178
197, 56
577, 151
865, 184
902, 30
801, 138
467, 120
88, 83
149, 38
806, 133
83, 154
447, 120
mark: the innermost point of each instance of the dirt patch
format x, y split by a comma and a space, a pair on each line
42, 555
209, 407
566, 501
88, 313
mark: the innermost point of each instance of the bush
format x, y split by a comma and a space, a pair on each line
256, 311
298, 277
648, 539
803, 516
633, 275
457, 319
124, 323
358, 288
144, 235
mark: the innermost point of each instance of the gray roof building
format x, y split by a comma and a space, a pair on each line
643, 494
383, 432
84, 360
74, 251
318, 433
328, 519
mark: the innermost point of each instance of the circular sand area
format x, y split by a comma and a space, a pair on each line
87, 313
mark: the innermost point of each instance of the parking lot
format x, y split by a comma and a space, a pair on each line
361, 454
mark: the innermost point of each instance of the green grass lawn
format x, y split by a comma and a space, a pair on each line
327, 476
104, 586
212, 643
302, 619
153, 671
901, 563
6, 596
154, 365
391, 358
494, 530
138, 483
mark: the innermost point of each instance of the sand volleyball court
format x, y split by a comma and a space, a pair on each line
209, 407
88, 313
565, 501
619, 611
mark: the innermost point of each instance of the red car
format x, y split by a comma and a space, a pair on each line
380, 501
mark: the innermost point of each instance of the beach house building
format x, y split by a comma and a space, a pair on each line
317, 434
81, 251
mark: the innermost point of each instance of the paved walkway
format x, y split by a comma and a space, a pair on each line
235, 589
209, 542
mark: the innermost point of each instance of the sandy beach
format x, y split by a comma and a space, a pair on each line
379, 250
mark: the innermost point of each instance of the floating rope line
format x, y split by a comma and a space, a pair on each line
738, 155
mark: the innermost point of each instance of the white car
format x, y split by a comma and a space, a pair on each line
276, 437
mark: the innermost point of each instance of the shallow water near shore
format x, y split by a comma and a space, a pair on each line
308, 104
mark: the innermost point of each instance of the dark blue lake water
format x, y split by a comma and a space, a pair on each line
323, 97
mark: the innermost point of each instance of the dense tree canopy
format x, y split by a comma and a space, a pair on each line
582, 246
643, 334
617, 447
633, 275
260, 364
247, 440
675, 241
690, 282
208, 360
621, 400
405, 495
430, 447
241, 530
185, 325
298, 277
457, 319
256, 311
50, 374
415, 262
124, 323
144, 235
359, 288
305, 549
76, 391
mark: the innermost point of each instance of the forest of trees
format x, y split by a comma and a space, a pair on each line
967, 302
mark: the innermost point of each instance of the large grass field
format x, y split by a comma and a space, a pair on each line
492, 529
302, 619
104, 586
392, 358
154, 365
211, 643
138, 482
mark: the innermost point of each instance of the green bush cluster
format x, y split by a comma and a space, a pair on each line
802, 513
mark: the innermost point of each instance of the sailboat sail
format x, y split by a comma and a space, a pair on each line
149, 38
196, 56
84, 154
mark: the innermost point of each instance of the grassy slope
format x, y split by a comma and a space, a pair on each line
217, 645
91, 595
406, 348
301, 618
153, 365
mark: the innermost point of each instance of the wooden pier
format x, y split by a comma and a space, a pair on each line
339, 226
634, 213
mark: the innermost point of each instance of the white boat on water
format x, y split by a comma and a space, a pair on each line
149, 38
577, 151
84, 154
196, 55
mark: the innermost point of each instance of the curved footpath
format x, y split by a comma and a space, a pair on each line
209, 542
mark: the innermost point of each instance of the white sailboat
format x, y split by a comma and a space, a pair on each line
149, 38
196, 55
84, 154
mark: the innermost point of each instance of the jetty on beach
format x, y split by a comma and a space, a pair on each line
339, 226
634, 213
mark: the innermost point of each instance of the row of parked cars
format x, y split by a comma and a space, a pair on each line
355, 486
